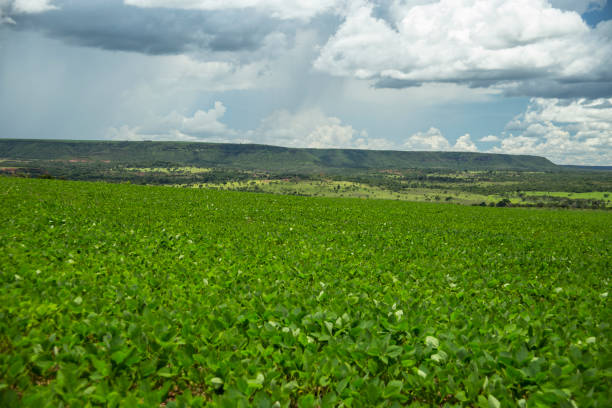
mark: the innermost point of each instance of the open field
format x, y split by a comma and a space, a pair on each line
583, 189
169, 170
135, 296
334, 188
453, 193
459, 178
591, 195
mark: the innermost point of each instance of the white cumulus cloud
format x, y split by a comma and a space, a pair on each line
489, 139
505, 44
13, 7
307, 128
312, 128
566, 132
32, 6
464, 144
430, 140
282, 9
202, 125
434, 140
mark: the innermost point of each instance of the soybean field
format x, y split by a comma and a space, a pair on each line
139, 296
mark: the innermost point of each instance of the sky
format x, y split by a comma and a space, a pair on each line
503, 76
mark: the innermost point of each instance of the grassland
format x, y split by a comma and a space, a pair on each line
591, 195
455, 193
170, 170
339, 188
135, 296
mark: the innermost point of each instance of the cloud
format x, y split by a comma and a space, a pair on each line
489, 139
203, 125
309, 128
10, 8
111, 25
32, 6
182, 71
281, 9
464, 144
433, 140
503, 44
430, 140
567, 132
312, 128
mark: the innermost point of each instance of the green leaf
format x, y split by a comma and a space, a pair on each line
408, 363
16, 367
432, 342
166, 372
256, 382
290, 386
373, 392
461, 396
307, 401
119, 356
393, 389
493, 402
103, 367
342, 385
439, 357
394, 351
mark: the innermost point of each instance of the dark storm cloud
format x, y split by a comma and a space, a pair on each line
111, 25
543, 88
471, 79
393, 83
521, 83
559, 89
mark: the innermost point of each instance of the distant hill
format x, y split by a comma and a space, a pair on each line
262, 157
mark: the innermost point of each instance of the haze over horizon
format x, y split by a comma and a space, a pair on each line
504, 76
